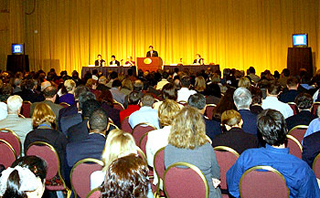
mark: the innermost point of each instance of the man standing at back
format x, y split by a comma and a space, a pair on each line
299, 177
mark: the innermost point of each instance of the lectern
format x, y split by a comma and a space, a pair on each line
17, 63
299, 57
149, 63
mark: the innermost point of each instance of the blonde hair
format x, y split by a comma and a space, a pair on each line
200, 84
42, 113
244, 82
188, 129
167, 111
230, 118
127, 83
118, 144
69, 85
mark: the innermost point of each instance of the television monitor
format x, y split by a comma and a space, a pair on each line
300, 40
17, 48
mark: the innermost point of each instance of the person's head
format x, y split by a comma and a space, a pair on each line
274, 89
242, 98
286, 72
215, 78
85, 96
80, 90
256, 95
102, 80
200, 84
292, 83
25, 178
126, 177
186, 81
70, 85
14, 104
50, 92
198, 56
138, 85
91, 84
116, 83
197, 101
147, 100
88, 107
167, 112
127, 83
252, 70
113, 57
188, 129
6, 89
272, 126
304, 101
151, 48
113, 75
134, 98
17, 82
29, 84
98, 122
43, 114
99, 56
44, 85
169, 92
106, 97
118, 144
244, 82
231, 118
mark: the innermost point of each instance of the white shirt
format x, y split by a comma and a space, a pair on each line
272, 102
3, 110
184, 93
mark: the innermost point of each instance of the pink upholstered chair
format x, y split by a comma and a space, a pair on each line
294, 107
159, 168
314, 108
25, 109
143, 142
298, 132
13, 139
95, 193
209, 110
140, 129
294, 146
188, 181
80, 175
257, 182
7, 153
125, 126
316, 166
64, 104
118, 105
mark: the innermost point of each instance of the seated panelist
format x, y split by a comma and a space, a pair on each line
99, 61
130, 61
114, 61
198, 60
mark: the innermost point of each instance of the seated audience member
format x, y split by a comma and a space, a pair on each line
25, 178
185, 92
252, 74
187, 141
256, 102
311, 147
106, 101
17, 85
118, 144
198, 101
116, 93
127, 177
163, 81
226, 103
244, 82
3, 110
168, 92
145, 114
242, 99
213, 92
114, 61
50, 97
102, 84
285, 74
233, 135
6, 91
113, 76
133, 100
21, 126
43, 121
200, 84
68, 97
93, 145
272, 102
304, 117
292, 92
126, 86
28, 92
299, 177
80, 131
92, 85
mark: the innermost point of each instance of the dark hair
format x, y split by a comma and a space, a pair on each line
150, 46
13, 185
292, 81
80, 90
304, 101
113, 56
169, 92
84, 97
186, 81
197, 100
106, 96
225, 103
256, 95
252, 70
99, 120
116, 83
126, 177
49, 92
274, 88
272, 126
28, 84
113, 75
286, 72
89, 107
134, 98
165, 75
147, 100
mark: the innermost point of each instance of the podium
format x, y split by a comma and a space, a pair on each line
149, 63
299, 57
17, 63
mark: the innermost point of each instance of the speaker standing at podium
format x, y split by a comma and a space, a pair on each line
151, 52
99, 61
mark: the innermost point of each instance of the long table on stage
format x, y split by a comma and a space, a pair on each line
194, 68
107, 69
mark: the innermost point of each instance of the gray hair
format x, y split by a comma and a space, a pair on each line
242, 98
14, 103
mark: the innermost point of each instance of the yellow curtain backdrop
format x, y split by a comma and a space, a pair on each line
68, 34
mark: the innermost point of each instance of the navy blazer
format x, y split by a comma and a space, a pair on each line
249, 121
71, 110
213, 128
68, 121
302, 118
78, 132
311, 147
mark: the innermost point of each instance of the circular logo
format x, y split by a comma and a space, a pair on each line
147, 61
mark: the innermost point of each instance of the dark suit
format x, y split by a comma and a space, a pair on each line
288, 96
78, 132
311, 147
115, 63
302, 118
249, 121
30, 95
237, 139
154, 54
256, 109
198, 61
212, 128
114, 114
71, 110
68, 121
96, 63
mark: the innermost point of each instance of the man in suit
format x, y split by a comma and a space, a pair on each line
151, 52
50, 97
29, 92
198, 101
198, 60
311, 147
114, 61
292, 92
242, 100
21, 126
304, 117
99, 61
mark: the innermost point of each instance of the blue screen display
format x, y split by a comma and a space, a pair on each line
300, 40
17, 48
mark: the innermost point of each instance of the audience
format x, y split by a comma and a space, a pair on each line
133, 105
185, 92
116, 93
292, 92
68, 97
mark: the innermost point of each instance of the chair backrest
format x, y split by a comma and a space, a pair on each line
316, 166
182, 102
263, 180
143, 142
13, 139
7, 153
25, 109
64, 104
115, 126
125, 126
209, 110
314, 108
118, 105
158, 166
80, 175
298, 132
95, 193
226, 157
140, 129
182, 179
294, 146
293, 107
